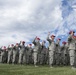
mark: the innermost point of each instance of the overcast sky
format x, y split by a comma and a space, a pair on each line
25, 19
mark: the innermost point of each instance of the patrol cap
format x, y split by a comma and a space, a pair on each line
64, 42
4, 47
52, 35
17, 44
38, 38
23, 41
71, 31
30, 44
58, 39
12, 44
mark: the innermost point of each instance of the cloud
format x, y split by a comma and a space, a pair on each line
25, 19
68, 19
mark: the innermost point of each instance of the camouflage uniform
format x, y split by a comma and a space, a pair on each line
15, 54
43, 59
64, 54
22, 52
36, 49
3, 55
58, 52
10, 54
52, 47
72, 49
29, 52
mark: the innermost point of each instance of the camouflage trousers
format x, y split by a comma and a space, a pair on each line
21, 58
51, 57
35, 57
72, 57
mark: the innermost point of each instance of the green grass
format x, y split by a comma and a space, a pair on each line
6, 69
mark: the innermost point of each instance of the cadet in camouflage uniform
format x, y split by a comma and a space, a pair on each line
43, 54
52, 47
68, 57
39, 56
71, 41
58, 52
10, 54
37, 47
22, 52
15, 53
3, 54
29, 52
64, 53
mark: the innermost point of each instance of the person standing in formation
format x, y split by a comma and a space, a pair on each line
3, 54
22, 52
29, 52
43, 53
72, 48
64, 53
58, 52
15, 53
10, 54
52, 47
37, 46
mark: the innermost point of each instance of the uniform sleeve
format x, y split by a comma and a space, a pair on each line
19, 45
57, 43
34, 42
48, 39
69, 38
40, 46
32, 50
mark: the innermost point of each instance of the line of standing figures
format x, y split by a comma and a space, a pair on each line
39, 54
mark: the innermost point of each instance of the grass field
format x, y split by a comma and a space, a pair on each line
6, 69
